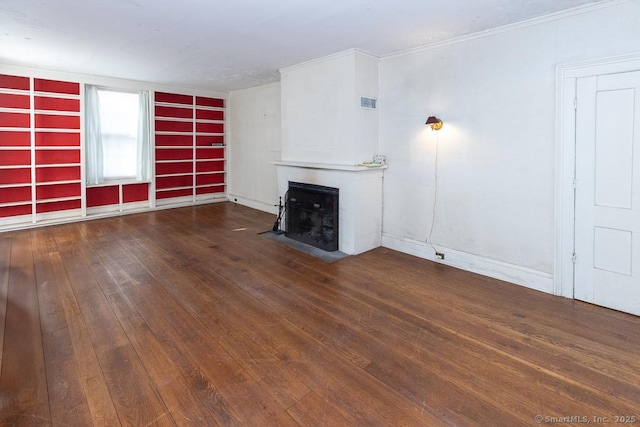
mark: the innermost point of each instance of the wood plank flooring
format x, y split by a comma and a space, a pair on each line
189, 317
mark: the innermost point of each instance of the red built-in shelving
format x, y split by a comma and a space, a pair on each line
190, 147
16, 190
39, 146
57, 145
40, 152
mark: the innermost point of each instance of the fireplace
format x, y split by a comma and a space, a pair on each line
312, 215
360, 196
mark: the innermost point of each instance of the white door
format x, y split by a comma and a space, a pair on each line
607, 216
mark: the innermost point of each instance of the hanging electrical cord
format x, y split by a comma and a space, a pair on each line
435, 194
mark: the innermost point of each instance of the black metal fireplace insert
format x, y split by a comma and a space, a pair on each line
312, 215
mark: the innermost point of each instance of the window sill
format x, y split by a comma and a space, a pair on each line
124, 181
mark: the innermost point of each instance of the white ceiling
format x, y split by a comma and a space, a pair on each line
233, 44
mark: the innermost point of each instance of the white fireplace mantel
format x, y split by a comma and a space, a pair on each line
329, 166
359, 201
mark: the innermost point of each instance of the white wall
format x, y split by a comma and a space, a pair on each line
254, 143
366, 121
496, 96
322, 121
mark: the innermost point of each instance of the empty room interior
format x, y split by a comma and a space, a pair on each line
339, 213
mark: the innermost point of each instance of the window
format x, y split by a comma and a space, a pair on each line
117, 135
119, 125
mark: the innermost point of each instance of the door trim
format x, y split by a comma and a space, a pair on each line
567, 76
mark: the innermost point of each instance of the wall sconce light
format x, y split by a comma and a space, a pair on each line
436, 123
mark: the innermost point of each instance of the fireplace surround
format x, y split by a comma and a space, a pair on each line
359, 199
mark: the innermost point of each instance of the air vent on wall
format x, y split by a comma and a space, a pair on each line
368, 102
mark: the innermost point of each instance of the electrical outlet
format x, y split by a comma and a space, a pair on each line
439, 255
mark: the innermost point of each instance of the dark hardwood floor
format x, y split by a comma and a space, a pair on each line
190, 317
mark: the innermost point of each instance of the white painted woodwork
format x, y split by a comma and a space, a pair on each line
607, 211
612, 250
614, 147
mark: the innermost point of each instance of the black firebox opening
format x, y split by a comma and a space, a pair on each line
312, 215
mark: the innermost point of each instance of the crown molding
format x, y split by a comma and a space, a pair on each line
510, 27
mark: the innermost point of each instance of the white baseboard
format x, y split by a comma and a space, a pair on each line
254, 204
10, 223
174, 202
527, 277
115, 209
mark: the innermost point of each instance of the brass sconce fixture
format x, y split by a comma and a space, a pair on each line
436, 123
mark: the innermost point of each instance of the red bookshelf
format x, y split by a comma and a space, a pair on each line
16, 189
39, 147
40, 153
57, 145
190, 147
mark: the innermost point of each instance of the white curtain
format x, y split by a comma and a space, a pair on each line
93, 137
117, 135
143, 172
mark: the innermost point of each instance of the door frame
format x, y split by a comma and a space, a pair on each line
567, 76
